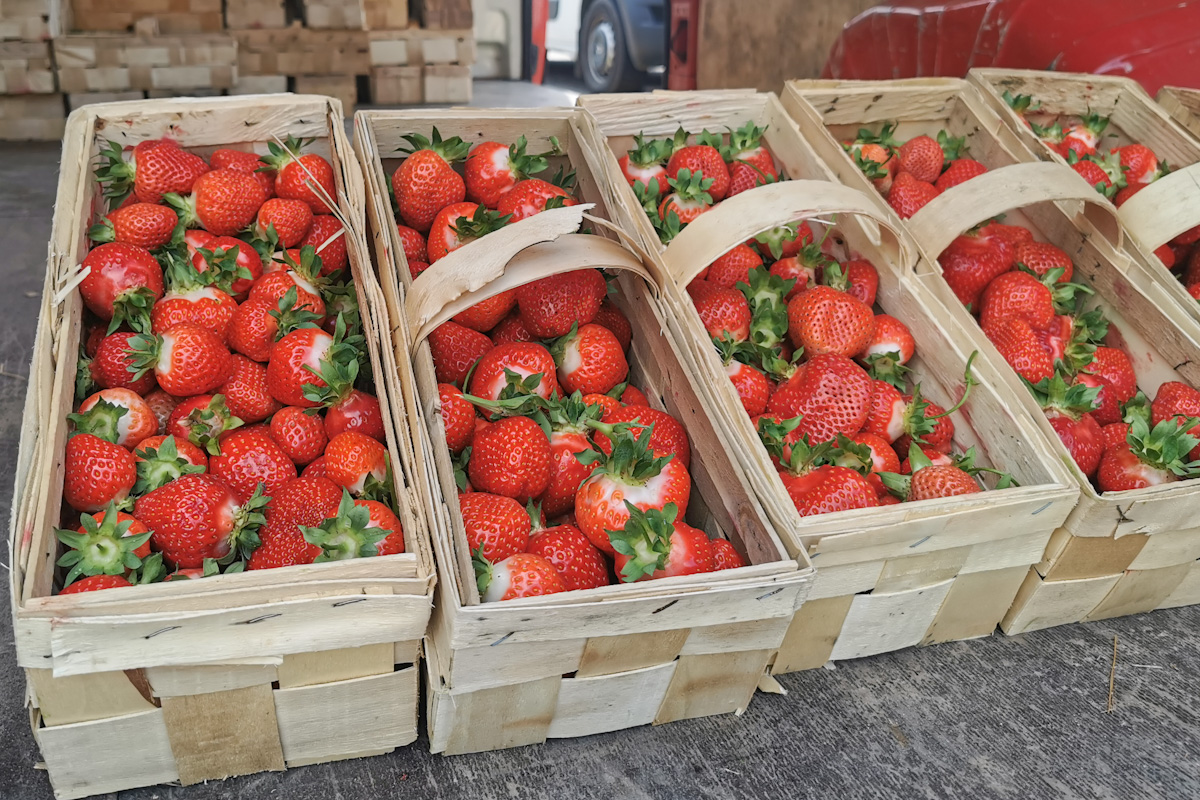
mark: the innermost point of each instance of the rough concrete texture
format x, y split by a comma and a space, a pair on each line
996, 718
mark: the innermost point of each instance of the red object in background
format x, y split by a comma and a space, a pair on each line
1156, 42
685, 19
539, 15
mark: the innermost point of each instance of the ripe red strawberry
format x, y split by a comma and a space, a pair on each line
246, 162
381, 517
856, 277
1112, 373
155, 168
826, 321
690, 197
123, 282
307, 177
532, 196
282, 546
1067, 408
1019, 295
922, 157
455, 349
458, 417
724, 312
615, 320
577, 562
822, 488
1021, 347
96, 473
1007, 238
355, 411
909, 195
881, 456
195, 298
734, 267
607, 403
519, 575
358, 529
971, 262
669, 438
187, 359
725, 555
746, 174
300, 274
752, 386
113, 367
496, 526
526, 359
247, 391
300, 434
145, 225
792, 268
1149, 455
1104, 174
233, 255
493, 169
551, 306
960, 170
511, 458
704, 160
355, 461
785, 241
162, 459
96, 583
631, 475
460, 224
1083, 137
937, 481
655, 544
198, 517
120, 416
486, 314
633, 396
426, 183
934, 457
295, 361
645, 162
891, 347
876, 161
887, 413
590, 360
291, 220
327, 236
831, 393
256, 326
1178, 401
415, 248
223, 202
1139, 162
249, 458
315, 470
568, 438
1042, 257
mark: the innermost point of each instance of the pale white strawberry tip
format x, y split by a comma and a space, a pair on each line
501, 579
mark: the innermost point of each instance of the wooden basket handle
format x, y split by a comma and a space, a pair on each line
1164, 209
748, 214
961, 208
443, 290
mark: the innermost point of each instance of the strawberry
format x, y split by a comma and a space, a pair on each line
724, 312
702, 159
458, 417
198, 517
307, 177
156, 168
525, 361
750, 164
652, 544
960, 170
327, 237
145, 225
856, 277
890, 349
1103, 174
496, 526
354, 531
817, 486
113, 367
1020, 345
578, 563
247, 393
792, 269
607, 403
123, 282
645, 162
519, 575
161, 459
734, 267
300, 434
195, 298
633, 396
1175, 400
909, 195
246, 162
1082, 138
223, 202
630, 475
589, 359
691, 197
1042, 257
1007, 238
1067, 408
381, 517
243, 263
1149, 456
880, 456
877, 162
930, 481
96, 583
826, 321
532, 196
415, 248
119, 416
831, 393
1111, 372
551, 306
460, 224
356, 462
1139, 163
922, 157
752, 386
249, 461
354, 411
290, 219
187, 359
109, 543
301, 274
972, 261
455, 349
302, 502
1017, 295
486, 314
668, 437
295, 364
725, 555
569, 435
785, 241
426, 183
259, 321
493, 169
615, 320
511, 458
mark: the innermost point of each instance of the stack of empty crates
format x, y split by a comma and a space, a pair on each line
31, 106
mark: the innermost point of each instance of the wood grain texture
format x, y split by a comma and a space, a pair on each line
144, 759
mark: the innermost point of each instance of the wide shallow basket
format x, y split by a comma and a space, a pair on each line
521, 671
197, 680
888, 577
1166, 207
1118, 553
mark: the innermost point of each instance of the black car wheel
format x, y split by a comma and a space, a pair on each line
603, 54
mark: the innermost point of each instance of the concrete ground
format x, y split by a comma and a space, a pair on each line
1022, 717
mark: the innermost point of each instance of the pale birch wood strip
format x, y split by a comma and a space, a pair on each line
329, 666
1043, 604
880, 623
976, 603
81, 698
143, 759
812, 634
1139, 591
606, 703
189, 680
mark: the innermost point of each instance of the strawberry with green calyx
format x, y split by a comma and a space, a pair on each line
815, 484
752, 386
891, 348
202, 420
1104, 173
1149, 456
901, 419
104, 420
851, 454
333, 379
1020, 103
519, 575
158, 466
855, 277
201, 298
778, 436
952, 147
85, 380
518, 398
750, 164
1068, 408
346, 535
1081, 139
209, 569
646, 162
655, 543
156, 167
689, 199
197, 517
569, 420
886, 137
1075, 351
104, 545
220, 269
784, 241
426, 182
929, 481
299, 175
460, 224
122, 283
966, 462
765, 293
493, 169
342, 298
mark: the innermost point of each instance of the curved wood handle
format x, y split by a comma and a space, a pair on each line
1164, 209
437, 295
961, 208
748, 214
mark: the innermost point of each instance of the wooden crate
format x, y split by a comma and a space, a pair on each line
414, 47
254, 14
385, 15
1116, 554
442, 14
891, 577
334, 14
29, 20
343, 87
171, 16
397, 86
32, 117
297, 51
119, 62
259, 84
226, 675
81, 99
26, 68
571, 664
1155, 215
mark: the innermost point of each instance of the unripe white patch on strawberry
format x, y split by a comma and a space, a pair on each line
501, 578
572, 358
492, 390
884, 347
356, 488
316, 353
1152, 476
644, 174
895, 426
224, 517
164, 357
304, 284
734, 368
650, 493
197, 294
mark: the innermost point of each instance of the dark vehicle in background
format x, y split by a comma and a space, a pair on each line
614, 43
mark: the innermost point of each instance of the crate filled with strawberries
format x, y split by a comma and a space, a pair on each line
215, 479
603, 563
1091, 350
854, 404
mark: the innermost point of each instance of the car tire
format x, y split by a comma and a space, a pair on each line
603, 52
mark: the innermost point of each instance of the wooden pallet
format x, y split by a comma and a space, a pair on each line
26, 68
122, 62
32, 117
297, 51
518, 672
227, 675
29, 20
122, 16
891, 577
1115, 554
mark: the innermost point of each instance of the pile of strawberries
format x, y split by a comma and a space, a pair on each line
821, 374
912, 173
221, 425
567, 477
1119, 175
1022, 293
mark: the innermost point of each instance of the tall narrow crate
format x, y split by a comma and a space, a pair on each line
891, 577
1117, 553
199, 680
571, 664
